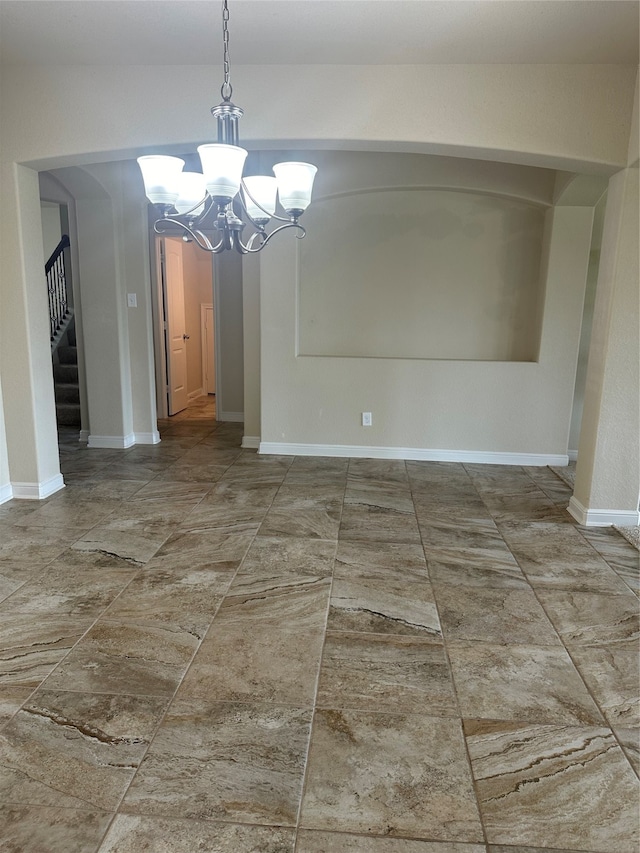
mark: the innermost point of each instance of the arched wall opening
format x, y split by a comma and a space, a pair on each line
595, 139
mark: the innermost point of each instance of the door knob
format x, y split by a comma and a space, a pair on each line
185, 337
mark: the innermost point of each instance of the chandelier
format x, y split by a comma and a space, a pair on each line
219, 199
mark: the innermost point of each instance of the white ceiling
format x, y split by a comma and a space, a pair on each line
380, 32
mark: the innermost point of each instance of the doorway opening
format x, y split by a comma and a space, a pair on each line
185, 325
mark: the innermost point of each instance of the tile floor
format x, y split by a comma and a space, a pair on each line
203, 649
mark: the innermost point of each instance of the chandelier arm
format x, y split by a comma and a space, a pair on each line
267, 237
257, 204
252, 239
207, 203
201, 239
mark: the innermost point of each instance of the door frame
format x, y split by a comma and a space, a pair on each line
158, 323
159, 339
205, 307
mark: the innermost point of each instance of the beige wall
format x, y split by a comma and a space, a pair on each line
567, 117
421, 274
563, 116
25, 353
441, 408
587, 325
51, 228
608, 471
251, 334
229, 337
5, 477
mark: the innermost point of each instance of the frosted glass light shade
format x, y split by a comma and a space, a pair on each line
192, 190
222, 167
295, 182
161, 176
263, 189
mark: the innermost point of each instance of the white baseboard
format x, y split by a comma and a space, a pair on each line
115, 442
250, 442
83, 438
193, 395
418, 454
232, 417
147, 437
37, 491
6, 493
603, 517
573, 455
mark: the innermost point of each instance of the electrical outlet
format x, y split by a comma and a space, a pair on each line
132, 300
366, 419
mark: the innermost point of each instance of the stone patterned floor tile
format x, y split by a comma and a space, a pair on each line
444, 530
311, 841
623, 558
629, 739
554, 786
381, 561
190, 596
371, 672
372, 524
384, 607
134, 834
425, 472
11, 698
201, 548
263, 646
396, 498
31, 648
506, 616
32, 829
556, 556
241, 763
313, 470
131, 539
68, 591
377, 470
500, 848
184, 599
479, 569
35, 546
391, 775
534, 683
79, 511
612, 674
242, 494
591, 619
72, 749
518, 508
13, 577
122, 657
273, 558
302, 523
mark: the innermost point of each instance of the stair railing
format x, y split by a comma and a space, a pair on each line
59, 288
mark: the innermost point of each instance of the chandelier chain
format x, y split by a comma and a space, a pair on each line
226, 89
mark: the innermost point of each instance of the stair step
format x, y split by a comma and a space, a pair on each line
68, 414
66, 373
67, 393
68, 355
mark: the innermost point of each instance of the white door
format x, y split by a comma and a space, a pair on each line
208, 349
176, 337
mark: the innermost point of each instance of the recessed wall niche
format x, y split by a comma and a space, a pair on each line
421, 272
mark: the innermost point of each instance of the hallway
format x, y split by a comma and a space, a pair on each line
208, 649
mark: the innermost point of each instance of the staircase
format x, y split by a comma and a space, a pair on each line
65, 379
64, 350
